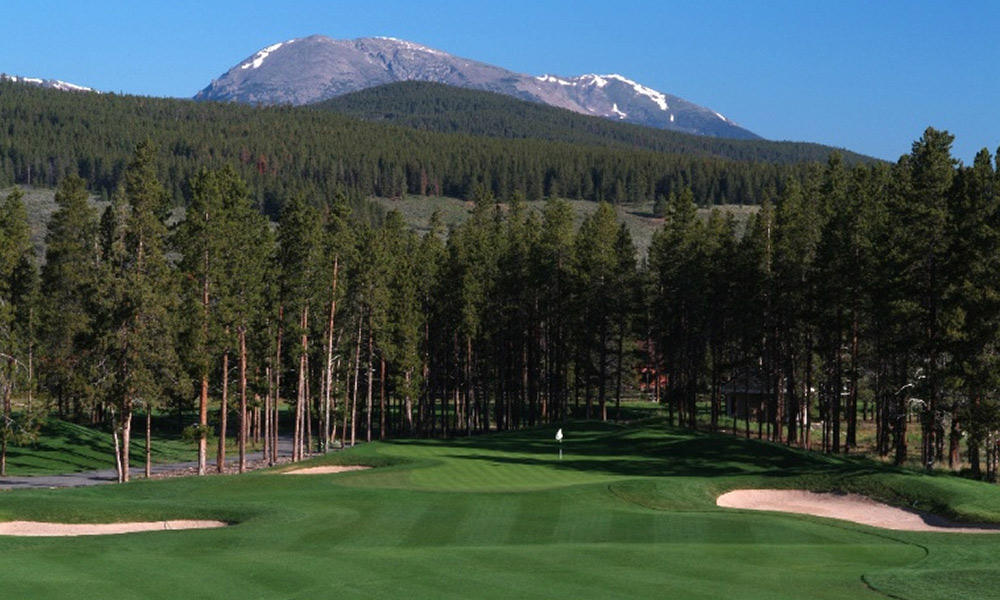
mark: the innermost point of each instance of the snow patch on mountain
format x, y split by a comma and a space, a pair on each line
658, 97
592, 79
48, 83
70, 87
614, 109
554, 79
258, 58
411, 45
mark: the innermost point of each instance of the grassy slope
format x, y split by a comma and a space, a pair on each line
417, 211
67, 448
627, 513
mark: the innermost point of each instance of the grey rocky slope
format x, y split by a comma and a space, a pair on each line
315, 68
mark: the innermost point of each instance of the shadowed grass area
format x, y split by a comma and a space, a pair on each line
629, 512
63, 447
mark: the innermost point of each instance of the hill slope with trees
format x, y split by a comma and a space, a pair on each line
439, 107
281, 151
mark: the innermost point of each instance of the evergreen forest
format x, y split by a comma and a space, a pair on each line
859, 292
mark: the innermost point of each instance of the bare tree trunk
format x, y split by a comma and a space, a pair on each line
327, 398
220, 460
371, 382
203, 425
203, 399
381, 400
277, 390
408, 406
149, 441
470, 393
354, 397
267, 416
126, 440
118, 449
618, 374
307, 421
243, 399
301, 397
8, 393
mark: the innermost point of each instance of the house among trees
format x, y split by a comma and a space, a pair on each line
747, 391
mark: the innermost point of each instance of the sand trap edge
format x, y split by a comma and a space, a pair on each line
325, 470
41, 529
846, 507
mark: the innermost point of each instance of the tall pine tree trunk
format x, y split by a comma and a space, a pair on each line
5, 426
277, 388
328, 396
371, 380
243, 399
126, 441
354, 395
149, 441
220, 459
203, 425
302, 396
203, 398
382, 421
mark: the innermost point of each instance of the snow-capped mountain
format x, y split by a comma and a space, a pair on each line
315, 68
47, 83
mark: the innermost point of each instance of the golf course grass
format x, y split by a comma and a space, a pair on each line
628, 512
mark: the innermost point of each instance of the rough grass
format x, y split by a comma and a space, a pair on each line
64, 447
627, 513
417, 211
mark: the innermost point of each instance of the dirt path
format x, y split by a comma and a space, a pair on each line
255, 460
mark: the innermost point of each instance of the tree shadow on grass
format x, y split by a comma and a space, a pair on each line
652, 451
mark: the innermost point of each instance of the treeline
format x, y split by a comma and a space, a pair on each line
866, 293
444, 108
282, 152
869, 293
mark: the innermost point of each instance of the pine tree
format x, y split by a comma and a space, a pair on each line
139, 300
922, 232
199, 239
675, 261
298, 241
796, 235
604, 261
68, 280
246, 250
974, 333
18, 282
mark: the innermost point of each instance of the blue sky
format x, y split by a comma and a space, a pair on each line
869, 76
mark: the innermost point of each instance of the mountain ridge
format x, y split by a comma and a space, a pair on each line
315, 68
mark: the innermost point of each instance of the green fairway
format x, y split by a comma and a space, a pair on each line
628, 512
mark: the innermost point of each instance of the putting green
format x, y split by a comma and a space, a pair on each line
627, 513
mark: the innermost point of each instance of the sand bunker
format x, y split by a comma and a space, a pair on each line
847, 507
38, 529
326, 470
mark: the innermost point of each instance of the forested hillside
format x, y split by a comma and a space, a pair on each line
282, 151
865, 292
439, 107
861, 294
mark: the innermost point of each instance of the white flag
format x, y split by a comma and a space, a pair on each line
559, 435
